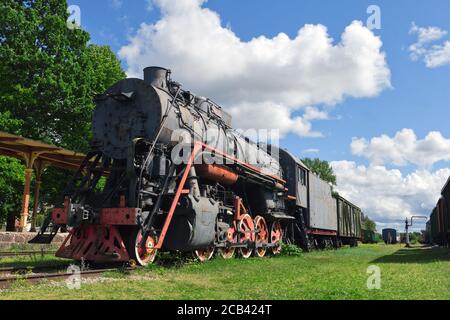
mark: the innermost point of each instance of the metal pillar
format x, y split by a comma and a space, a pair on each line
407, 233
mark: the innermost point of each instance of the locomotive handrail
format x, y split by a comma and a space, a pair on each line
242, 163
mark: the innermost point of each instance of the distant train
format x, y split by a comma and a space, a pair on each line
369, 236
249, 202
389, 236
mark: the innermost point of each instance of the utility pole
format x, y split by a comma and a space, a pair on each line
410, 224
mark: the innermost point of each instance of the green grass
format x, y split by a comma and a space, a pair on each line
405, 274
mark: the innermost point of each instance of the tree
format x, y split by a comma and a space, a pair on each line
49, 75
11, 181
322, 169
368, 224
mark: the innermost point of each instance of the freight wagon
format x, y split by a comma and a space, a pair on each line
369, 236
389, 236
323, 220
438, 225
349, 221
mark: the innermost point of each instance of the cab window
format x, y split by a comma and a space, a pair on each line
302, 176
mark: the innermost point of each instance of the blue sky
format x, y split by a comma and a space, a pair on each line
417, 99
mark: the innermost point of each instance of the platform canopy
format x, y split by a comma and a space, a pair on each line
37, 156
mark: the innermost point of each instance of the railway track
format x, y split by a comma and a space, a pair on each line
31, 269
8, 254
10, 275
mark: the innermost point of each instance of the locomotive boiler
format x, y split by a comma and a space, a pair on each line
166, 171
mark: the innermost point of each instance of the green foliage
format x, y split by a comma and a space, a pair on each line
322, 168
290, 250
11, 181
415, 237
368, 224
9, 124
49, 75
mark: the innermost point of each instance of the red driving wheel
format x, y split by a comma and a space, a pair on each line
276, 237
246, 235
143, 255
262, 236
204, 255
228, 253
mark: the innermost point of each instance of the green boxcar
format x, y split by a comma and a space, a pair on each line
369, 236
349, 219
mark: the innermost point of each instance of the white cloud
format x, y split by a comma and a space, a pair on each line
433, 55
312, 150
389, 196
116, 4
403, 149
438, 56
264, 82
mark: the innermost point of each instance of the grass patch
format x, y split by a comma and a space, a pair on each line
333, 274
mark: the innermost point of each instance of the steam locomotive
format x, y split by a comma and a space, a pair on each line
166, 171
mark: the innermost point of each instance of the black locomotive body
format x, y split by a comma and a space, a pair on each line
167, 172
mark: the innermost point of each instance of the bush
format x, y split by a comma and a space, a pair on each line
290, 250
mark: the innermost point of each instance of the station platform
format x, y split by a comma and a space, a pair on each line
8, 239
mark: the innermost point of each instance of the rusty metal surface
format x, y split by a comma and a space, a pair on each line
119, 216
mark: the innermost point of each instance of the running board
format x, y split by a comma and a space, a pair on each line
281, 215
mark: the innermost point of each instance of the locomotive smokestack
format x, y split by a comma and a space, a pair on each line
156, 76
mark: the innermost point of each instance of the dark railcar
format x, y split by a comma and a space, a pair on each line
389, 236
444, 205
434, 228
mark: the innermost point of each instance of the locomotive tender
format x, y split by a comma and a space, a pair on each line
178, 178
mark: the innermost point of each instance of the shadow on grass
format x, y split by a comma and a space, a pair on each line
416, 255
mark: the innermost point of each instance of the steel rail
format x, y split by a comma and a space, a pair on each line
6, 282
6, 254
